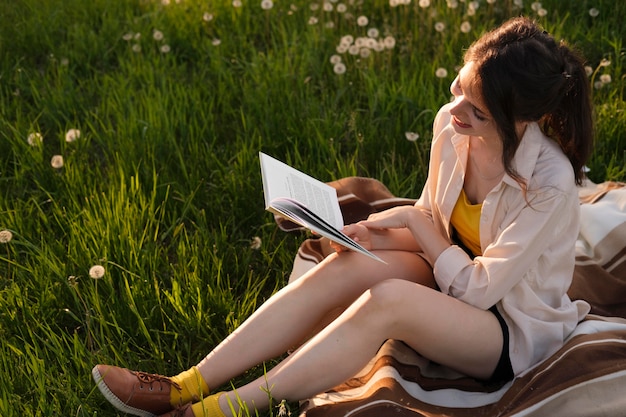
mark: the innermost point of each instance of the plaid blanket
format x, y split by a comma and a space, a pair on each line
586, 378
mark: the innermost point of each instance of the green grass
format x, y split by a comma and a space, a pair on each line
163, 187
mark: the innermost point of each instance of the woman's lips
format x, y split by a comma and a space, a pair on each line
460, 123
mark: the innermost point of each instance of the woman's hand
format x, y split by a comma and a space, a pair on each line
358, 233
395, 218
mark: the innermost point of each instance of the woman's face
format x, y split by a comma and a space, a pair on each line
469, 113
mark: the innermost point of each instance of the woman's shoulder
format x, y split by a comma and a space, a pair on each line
552, 168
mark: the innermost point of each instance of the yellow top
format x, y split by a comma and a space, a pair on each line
465, 219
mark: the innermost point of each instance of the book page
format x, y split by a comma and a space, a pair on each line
283, 181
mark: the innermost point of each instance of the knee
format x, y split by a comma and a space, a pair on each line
382, 300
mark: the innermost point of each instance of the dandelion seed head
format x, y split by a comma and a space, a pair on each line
128, 36
165, 2
452, 4
329, 25
588, 70
72, 280
237, 3
535, 5
390, 42
341, 8
57, 161
5, 236
137, 36
473, 5
518, 3
207, 17
312, 20
328, 6
96, 271
365, 52
165, 49
605, 63
64, 62
466, 27
216, 41
267, 4
441, 72
35, 139
424, 3
347, 39
605, 78
373, 32
255, 243
411, 136
71, 135
593, 12
136, 48
440, 26
339, 68
491, 1
335, 59
354, 50
598, 85
157, 35
542, 12
362, 21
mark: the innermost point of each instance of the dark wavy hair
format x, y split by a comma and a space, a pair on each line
525, 75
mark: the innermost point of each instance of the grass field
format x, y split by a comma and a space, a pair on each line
130, 191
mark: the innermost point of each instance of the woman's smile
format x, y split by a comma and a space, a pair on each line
460, 123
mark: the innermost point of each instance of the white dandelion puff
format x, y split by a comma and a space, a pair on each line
593, 12
390, 42
362, 21
411, 136
441, 72
440, 26
466, 27
424, 3
335, 59
165, 49
5, 236
605, 78
373, 32
96, 271
267, 4
136, 48
339, 68
57, 161
207, 17
35, 139
157, 35
72, 135
255, 243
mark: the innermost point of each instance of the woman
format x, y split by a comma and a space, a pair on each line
477, 270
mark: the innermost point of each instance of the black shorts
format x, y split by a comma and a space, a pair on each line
504, 369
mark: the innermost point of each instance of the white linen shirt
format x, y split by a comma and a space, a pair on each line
527, 260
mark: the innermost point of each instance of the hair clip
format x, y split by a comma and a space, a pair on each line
566, 75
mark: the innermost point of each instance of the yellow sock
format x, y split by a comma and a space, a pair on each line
209, 407
193, 387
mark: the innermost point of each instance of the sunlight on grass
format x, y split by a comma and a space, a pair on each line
133, 229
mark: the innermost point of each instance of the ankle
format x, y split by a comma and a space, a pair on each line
209, 407
191, 387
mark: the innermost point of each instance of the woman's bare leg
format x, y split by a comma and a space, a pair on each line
437, 326
292, 313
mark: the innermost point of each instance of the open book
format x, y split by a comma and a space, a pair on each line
306, 201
